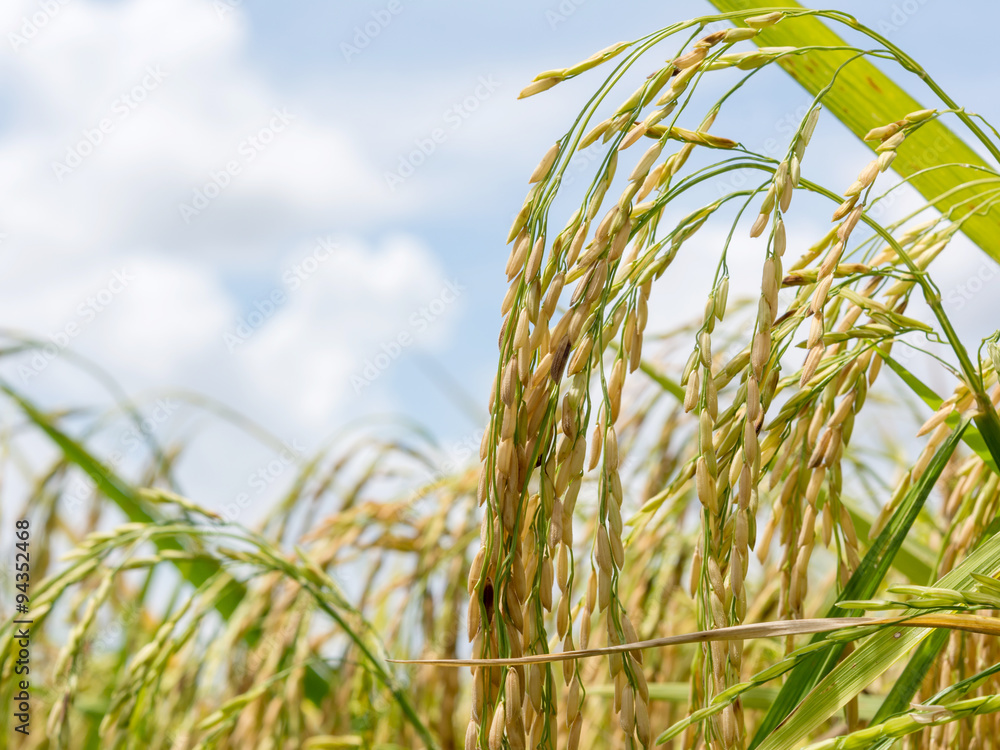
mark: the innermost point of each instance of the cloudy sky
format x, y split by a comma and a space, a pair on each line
300, 208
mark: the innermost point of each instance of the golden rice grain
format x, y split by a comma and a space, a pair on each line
763, 21
545, 165
530, 90
692, 58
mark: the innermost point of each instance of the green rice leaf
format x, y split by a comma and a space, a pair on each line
864, 97
862, 585
873, 657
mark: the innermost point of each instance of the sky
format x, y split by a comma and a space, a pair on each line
300, 209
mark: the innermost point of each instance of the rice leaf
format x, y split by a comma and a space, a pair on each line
865, 97
873, 657
862, 585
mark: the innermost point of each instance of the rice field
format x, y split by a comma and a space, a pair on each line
762, 529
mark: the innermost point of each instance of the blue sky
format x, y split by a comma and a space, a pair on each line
297, 136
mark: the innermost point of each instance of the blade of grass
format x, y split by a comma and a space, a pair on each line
873, 657
139, 510
910, 560
130, 502
862, 585
946, 696
906, 686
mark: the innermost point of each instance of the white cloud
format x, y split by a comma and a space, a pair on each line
190, 283
139, 104
167, 319
333, 319
179, 102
